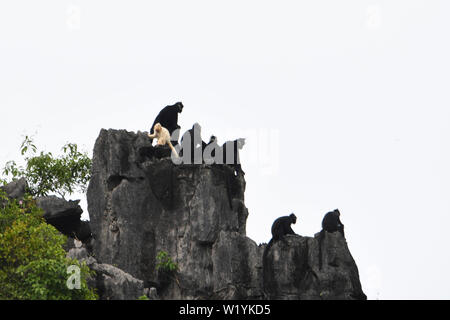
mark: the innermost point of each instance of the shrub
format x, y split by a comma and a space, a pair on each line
33, 263
165, 262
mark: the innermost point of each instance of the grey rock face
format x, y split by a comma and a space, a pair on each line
16, 189
111, 282
64, 216
140, 204
307, 268
55, 207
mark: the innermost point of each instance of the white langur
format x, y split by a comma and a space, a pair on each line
163, 137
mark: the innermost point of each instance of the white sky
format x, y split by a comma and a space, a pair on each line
345, 105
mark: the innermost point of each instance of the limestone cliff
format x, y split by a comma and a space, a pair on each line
140, 203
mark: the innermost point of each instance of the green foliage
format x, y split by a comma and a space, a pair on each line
16, 211
167, 268
46, 174
165, 262
46, 279
33, 263
144, 297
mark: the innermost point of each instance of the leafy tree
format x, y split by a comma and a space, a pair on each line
33, 263
47, 174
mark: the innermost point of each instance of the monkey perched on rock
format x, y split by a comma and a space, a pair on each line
332, 223
280, 228
163, 137
230, 152
192, 142
168, 118
209, 151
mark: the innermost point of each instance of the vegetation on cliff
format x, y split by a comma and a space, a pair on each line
33, 263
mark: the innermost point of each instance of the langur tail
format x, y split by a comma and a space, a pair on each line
173, 149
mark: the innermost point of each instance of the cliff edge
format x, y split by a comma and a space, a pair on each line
141, 204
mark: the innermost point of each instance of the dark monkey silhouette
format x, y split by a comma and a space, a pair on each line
332, 223
168, 118
210, 154
280, 228
232, 158
192, 140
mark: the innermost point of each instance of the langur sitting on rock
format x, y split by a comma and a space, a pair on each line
163, 137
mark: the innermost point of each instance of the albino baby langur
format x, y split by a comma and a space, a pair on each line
163, 137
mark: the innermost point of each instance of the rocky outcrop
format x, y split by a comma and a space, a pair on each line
304, 268
111, 282
16, 189
140, 204
65, 216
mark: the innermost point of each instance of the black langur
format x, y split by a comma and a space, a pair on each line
209, 151
280, 228
192, 142
168, 118
332, 223
230, 150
